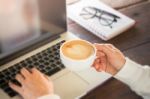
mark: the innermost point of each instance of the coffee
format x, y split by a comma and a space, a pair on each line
77, 50
77, 55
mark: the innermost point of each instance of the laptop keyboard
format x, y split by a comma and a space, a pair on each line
47, 61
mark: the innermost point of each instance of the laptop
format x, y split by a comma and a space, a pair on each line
41, 50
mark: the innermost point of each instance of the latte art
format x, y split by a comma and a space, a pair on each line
77, 50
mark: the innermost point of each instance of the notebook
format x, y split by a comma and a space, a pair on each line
98, 18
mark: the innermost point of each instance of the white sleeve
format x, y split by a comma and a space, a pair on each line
137, 77
49, 97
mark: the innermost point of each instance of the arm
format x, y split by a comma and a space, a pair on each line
136, 76
112, 61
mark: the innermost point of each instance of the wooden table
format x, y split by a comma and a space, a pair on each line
134, 43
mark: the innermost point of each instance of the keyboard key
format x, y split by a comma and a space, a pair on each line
1, 75
4, 85
12, 93
15, 82
46, 63
51, 72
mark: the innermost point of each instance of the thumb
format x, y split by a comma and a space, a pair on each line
103, 48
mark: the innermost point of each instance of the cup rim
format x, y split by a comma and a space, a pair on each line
91, 56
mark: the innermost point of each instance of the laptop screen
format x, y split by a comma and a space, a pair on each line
25, 24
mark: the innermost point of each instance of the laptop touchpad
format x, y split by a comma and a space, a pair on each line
70, 86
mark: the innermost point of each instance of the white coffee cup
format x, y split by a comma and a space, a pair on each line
78, 64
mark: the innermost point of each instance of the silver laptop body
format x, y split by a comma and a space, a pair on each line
42, 50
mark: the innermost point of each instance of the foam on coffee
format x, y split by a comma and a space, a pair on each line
77, 50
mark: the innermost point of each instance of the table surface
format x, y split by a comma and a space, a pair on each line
134, 43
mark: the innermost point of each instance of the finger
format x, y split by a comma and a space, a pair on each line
16, 88
97, 65
103, 64
20, 78
35, 71
98, 68
98, 46
111, 47
25, 73
96, 62
103, 48
100, 54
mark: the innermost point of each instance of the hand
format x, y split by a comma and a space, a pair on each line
109, 59
34, 84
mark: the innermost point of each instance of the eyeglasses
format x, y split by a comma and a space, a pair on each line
105, 18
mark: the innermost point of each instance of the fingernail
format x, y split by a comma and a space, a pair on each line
96, 44
10, 83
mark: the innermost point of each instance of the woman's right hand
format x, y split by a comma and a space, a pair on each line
109, 59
